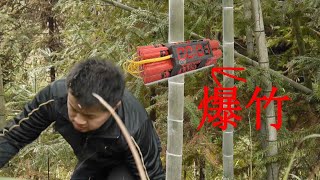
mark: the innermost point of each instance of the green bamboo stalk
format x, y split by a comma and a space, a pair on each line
298, 33
2, 101
175, 97
228, 61
270, 142
249, 35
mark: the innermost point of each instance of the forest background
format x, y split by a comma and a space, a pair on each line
41, 40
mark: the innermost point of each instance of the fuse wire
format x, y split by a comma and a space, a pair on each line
133, 66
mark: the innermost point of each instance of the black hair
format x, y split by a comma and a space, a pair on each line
96, 75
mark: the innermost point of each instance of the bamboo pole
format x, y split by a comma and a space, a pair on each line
175, 97
298, 33
249, 35
269, 133
228, 61
2, 101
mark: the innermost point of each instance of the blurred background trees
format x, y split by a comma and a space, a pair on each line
41, 40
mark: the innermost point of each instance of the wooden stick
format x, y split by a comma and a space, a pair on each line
126, 135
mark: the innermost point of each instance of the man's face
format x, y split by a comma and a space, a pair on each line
85, 119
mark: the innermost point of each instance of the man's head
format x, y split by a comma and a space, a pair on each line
93, 76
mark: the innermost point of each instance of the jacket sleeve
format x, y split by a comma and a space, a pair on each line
27, 126
148, 145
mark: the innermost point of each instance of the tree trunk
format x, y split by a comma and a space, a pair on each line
52, 74
269, 131
300, 42
249, 35
175, 97
53, 43
228, 61
208, 33
2, 101
298, 33
202, 166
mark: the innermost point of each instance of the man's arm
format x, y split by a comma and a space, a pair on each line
27, 126
149, 147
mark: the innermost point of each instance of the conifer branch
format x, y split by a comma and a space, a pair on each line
273, 72
295, 152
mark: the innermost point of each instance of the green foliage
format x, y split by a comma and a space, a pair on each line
49, 153
89, 28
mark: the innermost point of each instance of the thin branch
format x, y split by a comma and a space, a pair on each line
150, 15
295, 152
126, 135
119, 5
315, 31
282, 77
251, 148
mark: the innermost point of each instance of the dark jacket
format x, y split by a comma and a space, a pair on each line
97, 151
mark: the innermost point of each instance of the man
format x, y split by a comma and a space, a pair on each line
87, 126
